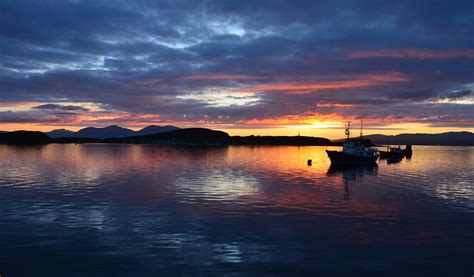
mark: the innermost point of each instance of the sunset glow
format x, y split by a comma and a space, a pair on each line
237, 138
359, 82
226, 69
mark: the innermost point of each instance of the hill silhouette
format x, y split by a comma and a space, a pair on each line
450, 138
113, 131
202, 136
153, 129
24, 137
364, 141
182, 136
60, 133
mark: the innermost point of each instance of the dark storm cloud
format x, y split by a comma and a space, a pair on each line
147, 57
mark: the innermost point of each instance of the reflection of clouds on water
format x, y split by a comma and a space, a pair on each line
217, 184
232, 207
457, 191
228, 253
440, 172
68, 215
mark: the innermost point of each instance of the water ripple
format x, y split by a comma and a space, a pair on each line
148, 208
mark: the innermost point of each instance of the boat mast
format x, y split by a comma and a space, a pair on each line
348, 130
361, 127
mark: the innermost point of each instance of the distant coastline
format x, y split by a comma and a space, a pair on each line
200, 136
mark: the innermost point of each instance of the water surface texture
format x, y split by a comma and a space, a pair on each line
97, 209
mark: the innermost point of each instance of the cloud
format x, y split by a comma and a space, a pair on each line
364, 81
414, 53
190, 62
25, 117
60, 107
223, 77
459, 94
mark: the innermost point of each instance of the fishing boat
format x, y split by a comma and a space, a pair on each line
408, 152
391, 153
353, 151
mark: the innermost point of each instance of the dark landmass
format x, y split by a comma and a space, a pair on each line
190, 136
106, 132
201, 136
153, 129
113, 131
76, 140
451, 138
60, 133
279, 140
364, 141
24, 138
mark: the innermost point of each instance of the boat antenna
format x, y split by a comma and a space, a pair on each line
348, 130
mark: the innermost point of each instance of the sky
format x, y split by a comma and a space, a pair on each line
245, 67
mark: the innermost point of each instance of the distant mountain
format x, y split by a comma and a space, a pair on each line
113, 131
153, 129
60, 133
24, 137
451, 138
200, 136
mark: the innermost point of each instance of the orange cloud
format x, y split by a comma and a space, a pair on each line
223, 77
360, 81
17, 106
307, 118
414, 53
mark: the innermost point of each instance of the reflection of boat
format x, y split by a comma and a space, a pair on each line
352, 172
391, 153
353, 152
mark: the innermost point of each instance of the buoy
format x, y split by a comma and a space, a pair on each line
310, 162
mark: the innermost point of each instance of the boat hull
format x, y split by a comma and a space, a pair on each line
390, 155
407, 153
338, 157
394, 160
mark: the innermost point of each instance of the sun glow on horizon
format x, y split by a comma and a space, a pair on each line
330, 130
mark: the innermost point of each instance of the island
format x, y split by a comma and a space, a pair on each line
171, 135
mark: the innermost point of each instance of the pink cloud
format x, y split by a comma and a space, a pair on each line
360, 81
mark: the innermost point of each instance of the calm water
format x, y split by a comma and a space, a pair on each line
154, 210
